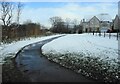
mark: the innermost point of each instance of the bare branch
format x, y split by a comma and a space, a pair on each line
6, 13
19, 10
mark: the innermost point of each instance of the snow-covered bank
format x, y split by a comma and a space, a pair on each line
85, 43
7, 50
93, 56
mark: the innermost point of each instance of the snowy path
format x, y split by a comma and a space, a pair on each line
31, 61
7, 50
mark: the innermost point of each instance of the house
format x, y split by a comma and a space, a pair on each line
105, 25
0, 32
102, 23
85, 25
94, 24
116, 23
105, 22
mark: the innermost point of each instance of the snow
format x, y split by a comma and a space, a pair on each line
73, 50
101, 17
90, 45
104, 17
91, 55
11, 49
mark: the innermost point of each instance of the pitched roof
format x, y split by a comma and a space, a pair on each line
104, 17
93, 18
100, 17
116, 18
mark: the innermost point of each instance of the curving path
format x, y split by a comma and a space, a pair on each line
39, 69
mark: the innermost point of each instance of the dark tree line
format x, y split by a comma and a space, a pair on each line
14, 30
58, 25
24, 30
61, 26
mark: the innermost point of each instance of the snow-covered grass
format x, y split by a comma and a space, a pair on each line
7, 50
85, 43
93, 56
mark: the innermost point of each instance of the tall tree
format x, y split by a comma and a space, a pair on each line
67, 20
6, 12
55, 20
57, 24
75, 22
19, 10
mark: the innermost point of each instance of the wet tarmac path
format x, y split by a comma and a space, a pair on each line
39, 69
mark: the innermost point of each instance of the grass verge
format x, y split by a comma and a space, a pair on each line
10, 73
92, 67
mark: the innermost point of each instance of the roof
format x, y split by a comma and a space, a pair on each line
100, 17
104, 17
94, 17
116, 18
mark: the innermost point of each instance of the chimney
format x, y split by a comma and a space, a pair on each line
83, 20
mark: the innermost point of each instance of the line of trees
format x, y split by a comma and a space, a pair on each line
14, 30
64, 26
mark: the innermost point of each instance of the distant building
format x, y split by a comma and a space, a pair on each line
119, 14
116, 23
85, 25
101, 23
94, 24
0, 32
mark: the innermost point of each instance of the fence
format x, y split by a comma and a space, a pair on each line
109, 35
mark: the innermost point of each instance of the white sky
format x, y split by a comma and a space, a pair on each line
63, 0
70, 10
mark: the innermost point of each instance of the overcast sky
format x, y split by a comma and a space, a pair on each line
39, 11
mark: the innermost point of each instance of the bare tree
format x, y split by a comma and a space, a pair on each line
67, 20
57, 24
28, 21
6, 13
75, 22
19, 10
55, 20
